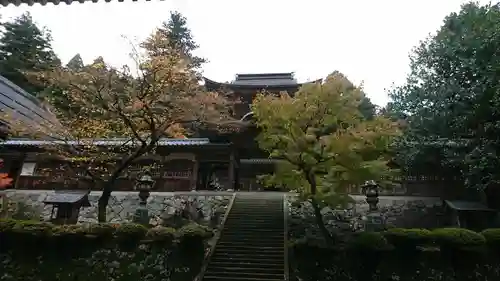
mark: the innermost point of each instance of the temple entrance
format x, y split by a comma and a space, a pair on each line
214, 176
179, 172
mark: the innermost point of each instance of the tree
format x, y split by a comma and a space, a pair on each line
451, 97
25, 47
180, 38
75, 63
325, 143
107, 102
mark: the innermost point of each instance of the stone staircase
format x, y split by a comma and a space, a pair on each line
251, 246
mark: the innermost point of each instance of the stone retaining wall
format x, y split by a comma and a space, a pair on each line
394, 211
123, 205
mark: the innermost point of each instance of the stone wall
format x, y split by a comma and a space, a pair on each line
394, 211
122, 205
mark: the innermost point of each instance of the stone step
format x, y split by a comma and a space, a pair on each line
270, 266
253, 231
265, 275
247, 248
238, 260
231, 267
251, 245
220, 278
235, 254
232, 236
254, 214
248, 225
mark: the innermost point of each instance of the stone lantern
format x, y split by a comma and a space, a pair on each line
370, 189
144, 185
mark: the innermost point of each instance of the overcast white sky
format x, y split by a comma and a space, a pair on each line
367, 40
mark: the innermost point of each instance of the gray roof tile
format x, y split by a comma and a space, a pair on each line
105, 142
55, 2
69, 196
24, 107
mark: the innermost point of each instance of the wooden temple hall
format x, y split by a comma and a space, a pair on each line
204, 162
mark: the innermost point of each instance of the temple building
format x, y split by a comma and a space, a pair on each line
216, 161
25, 108
54, 2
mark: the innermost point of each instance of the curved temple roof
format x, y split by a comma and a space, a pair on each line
258, 81
25, 108
55, 2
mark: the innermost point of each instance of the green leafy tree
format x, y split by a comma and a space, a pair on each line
451, 98
75, 63
25, 47
180, 38
324, 142
107, 102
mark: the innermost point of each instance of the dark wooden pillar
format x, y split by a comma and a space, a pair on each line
231, 170
237, 175
194, 180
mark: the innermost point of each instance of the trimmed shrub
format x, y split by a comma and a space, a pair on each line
408, 239
128, 235
370, 242
161, 235
492, 237
191, 236
194, 230
42, 234
44, 251
103, 230
459, 239
71, 233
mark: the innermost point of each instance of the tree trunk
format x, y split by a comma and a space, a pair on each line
317, 210
103, 203
321, 224
109, 184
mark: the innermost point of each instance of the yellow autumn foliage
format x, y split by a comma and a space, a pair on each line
320, 132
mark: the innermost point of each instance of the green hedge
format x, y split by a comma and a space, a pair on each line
443, 239
41, 236
32, 251
407, 254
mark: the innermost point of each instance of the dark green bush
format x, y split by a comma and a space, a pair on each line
492, 237
194, 230
131, 231
43, 234
191, 236
44, 251
408, 238
458, 239
104, 230
161, 235
6, 225
370, 242
70, 233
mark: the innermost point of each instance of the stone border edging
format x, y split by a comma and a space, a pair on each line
215, 240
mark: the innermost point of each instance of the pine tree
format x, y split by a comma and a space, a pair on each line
76, 63
25, 47
180, 38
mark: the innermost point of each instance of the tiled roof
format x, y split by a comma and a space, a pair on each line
265, 79
467, 205
55, 2
258, 81
259, 161
105, 142
24, 107
70, 196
